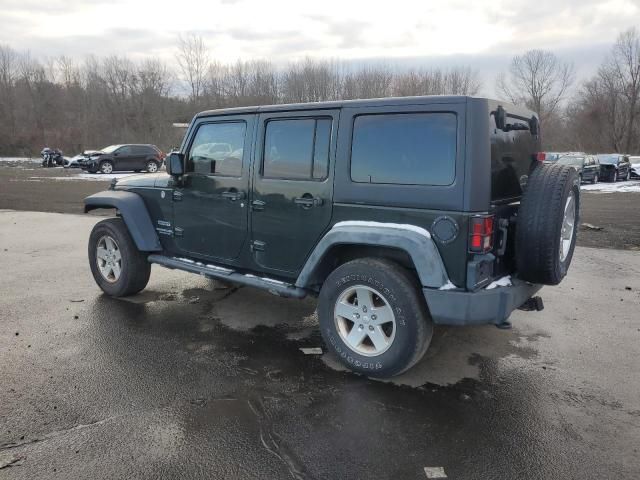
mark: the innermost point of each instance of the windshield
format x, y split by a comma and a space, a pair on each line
571, 160
608, 159
110, 148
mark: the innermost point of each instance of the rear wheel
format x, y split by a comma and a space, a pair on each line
373, 316
595, 179
118, 267
547, 224
152, 167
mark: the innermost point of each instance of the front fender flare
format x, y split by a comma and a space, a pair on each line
134, 212
414, 240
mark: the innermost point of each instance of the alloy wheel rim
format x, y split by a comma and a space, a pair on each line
109, 259
365, 320
107, 168
152, 167
568, 222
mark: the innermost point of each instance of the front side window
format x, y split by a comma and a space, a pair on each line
124, 151
297, 149
217, 149
404, 148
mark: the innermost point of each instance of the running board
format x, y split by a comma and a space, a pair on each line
214, 271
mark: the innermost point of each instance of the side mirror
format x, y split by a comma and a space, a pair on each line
175, 165
534, 126
501, 118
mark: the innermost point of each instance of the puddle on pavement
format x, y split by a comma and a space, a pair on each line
263, 333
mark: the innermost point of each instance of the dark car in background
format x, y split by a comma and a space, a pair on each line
614, 167
587, 166
136, 157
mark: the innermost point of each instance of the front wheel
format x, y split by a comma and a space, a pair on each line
595, 179
106, 167
118, 267
628, 175
374, 318
152, 167
615, 177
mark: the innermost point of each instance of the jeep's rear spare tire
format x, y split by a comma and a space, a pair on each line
373, 317
547, 224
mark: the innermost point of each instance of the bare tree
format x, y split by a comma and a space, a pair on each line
537, 79
624, 66
193, 60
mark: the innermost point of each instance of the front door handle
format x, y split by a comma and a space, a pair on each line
233, 195
308, 201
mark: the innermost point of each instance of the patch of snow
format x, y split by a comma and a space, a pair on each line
187, 260
435, 472
221, 269
501, 282
20, 159
618, 187
448, 286
398, 226
93, 177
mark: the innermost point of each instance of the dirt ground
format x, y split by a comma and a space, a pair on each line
27, 186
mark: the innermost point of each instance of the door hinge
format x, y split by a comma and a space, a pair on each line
177, 196
178, 232
257, 246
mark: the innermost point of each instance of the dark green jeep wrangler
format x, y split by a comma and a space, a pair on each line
398, 213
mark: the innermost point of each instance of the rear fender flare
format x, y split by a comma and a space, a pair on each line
134, 213
415, 241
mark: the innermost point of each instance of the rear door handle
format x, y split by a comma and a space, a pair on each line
308, 202
233, 195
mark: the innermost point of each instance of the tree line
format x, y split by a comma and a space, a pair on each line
76, 105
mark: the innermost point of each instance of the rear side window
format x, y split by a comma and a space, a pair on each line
404, 148
297, 149
217, 149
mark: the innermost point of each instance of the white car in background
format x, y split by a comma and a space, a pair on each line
635, 167
75, 162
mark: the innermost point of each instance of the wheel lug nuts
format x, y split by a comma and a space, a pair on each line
357, 315
373, 317
361, 327
364, 309
371, 327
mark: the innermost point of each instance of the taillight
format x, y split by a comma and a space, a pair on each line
481, 234
540, 156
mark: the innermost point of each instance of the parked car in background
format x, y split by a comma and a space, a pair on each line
78, 160
550, 157
587, 166
136, 157
614, 167
635, 167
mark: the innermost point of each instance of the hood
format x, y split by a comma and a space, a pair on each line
160, 180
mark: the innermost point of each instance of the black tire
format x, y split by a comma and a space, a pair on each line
106, 167
413, 325
614, 177
540, 223
134, 267
628, 177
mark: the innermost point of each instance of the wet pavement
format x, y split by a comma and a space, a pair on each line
193, 380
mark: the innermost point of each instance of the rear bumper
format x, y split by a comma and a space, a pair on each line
453, 307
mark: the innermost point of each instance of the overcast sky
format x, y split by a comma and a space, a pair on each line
483, 34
